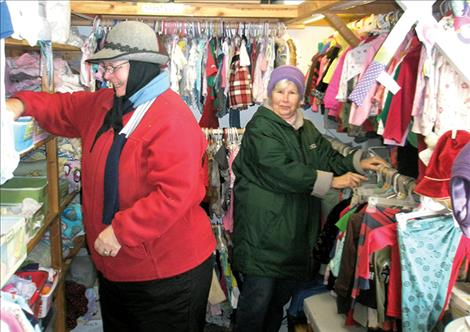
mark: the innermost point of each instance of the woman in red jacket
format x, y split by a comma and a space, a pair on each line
142, 184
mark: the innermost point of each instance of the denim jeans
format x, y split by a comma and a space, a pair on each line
261, 303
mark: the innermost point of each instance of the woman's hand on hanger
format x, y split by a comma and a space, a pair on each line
348, 180
15, 106
374, 163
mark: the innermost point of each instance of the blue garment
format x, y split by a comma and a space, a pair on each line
6, 29
234, 119
427, 251
153, 89
314, 287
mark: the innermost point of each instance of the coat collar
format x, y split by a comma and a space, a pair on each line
266, 111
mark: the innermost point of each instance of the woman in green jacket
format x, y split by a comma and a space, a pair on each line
282, 171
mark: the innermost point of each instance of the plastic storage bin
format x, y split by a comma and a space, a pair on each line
39, 134
13, 244
33, 219
31, 168
39, 278
18, 188
23, 132
45, 299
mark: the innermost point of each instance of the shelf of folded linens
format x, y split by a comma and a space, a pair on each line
48, 221
16, 43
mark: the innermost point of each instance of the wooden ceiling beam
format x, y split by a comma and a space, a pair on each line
306, 9
342, 29
200, 10
375, 8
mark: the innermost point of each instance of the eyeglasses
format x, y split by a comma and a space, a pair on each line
112, 69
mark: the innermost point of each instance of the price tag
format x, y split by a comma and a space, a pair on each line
387, 81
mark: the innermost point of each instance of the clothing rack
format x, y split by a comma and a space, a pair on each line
212, 131
344, 149
401, 183
219, 27
376, 22
216, 27
227, 135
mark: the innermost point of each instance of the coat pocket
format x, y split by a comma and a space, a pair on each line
135, 252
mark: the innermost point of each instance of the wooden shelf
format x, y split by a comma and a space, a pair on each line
48, 221
52, 221
78, 243
196, 10
37, 145
40, 234
66, 201
16, 43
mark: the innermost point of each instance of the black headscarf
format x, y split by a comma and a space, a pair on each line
140, 74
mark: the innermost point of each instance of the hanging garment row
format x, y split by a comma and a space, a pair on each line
215, 74
223, 147
374, 242
418, 92
208, 27
219, 28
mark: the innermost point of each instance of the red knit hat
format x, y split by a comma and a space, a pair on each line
436, 180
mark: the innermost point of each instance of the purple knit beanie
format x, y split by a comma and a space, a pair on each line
460, 189
290, 73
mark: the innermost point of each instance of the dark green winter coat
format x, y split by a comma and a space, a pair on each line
276, 217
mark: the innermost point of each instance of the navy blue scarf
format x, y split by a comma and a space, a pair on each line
140, 74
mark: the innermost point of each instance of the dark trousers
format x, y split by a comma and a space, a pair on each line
173, 304
261, 303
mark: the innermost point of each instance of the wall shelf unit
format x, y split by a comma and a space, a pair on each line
52, 222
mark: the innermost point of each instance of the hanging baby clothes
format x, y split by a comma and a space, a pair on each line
209, 118
240, 92
227, 220
399, 116
431, 246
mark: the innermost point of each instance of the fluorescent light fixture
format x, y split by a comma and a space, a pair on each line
314, 18
293, 2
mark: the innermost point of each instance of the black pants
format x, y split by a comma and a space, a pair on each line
173, 304
261, 303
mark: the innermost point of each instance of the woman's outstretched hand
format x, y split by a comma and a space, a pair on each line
373, 163
15, 106
348, 180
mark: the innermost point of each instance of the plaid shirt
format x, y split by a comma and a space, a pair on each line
240, 89
372, 220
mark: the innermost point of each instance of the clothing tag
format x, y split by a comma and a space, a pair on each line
425, 156
387, 81
234, 297
401, 219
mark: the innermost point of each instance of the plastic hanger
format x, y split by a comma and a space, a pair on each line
375, 201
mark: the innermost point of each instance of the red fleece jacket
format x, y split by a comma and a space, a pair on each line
161, 227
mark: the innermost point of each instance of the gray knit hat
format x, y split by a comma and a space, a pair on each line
131, 40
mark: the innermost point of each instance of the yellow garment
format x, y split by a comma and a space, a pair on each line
216, 294
330, 72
